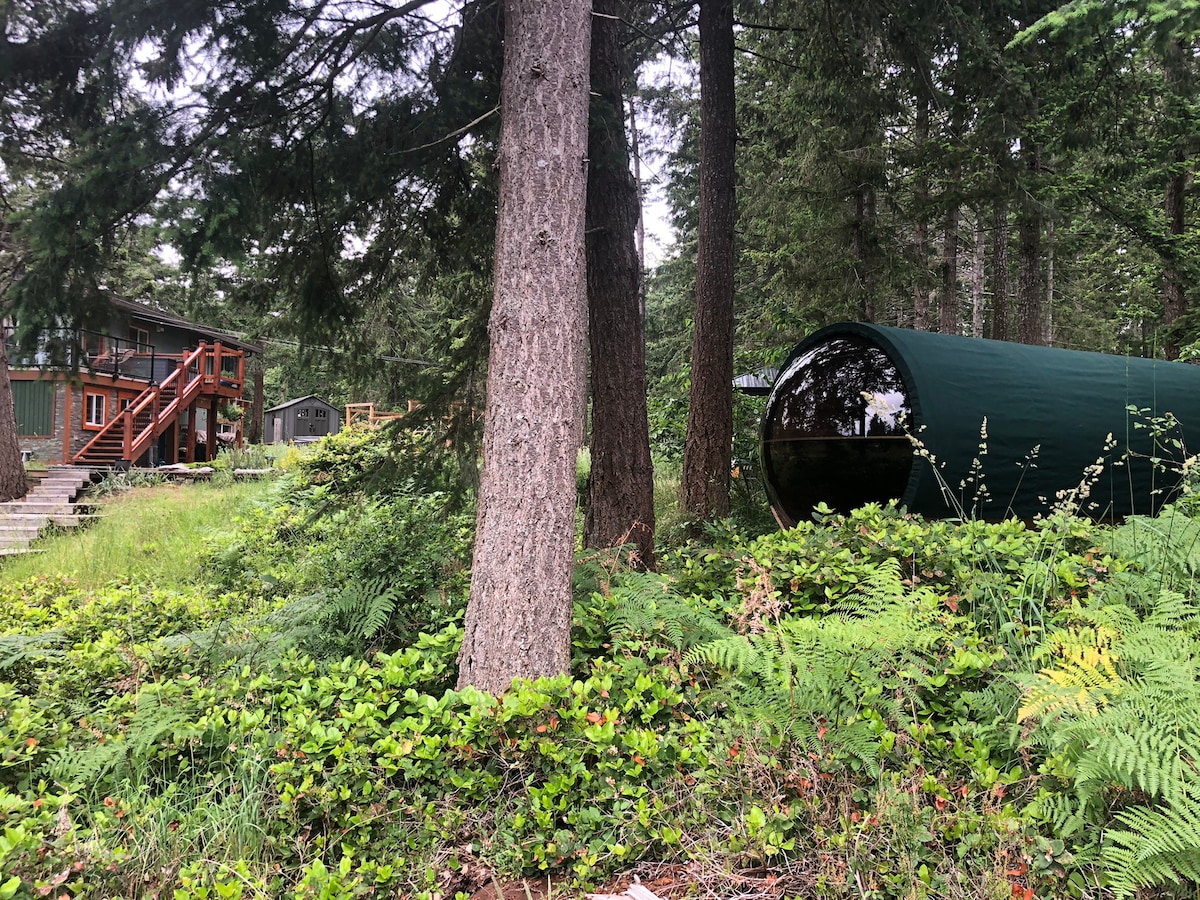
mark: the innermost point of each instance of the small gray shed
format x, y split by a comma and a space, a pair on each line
300, 421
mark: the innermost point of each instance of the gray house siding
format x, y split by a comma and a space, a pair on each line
300, 420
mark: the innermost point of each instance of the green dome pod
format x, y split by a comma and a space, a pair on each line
841, 421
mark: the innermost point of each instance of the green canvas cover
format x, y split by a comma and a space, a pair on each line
1048, 412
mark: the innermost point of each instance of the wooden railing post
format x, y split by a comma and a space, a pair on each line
127, 439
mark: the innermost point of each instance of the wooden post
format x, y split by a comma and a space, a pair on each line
67, 424
191, 434
172, 454
211, 437
127, 441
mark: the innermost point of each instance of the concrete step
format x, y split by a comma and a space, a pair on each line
62, 483
20, 521
67, 489
23, 526
39, 507
21, 541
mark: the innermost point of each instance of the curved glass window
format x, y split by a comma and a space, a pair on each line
834, 430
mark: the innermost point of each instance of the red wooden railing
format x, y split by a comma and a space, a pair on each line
203, 371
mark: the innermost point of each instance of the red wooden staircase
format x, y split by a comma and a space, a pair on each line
158, 408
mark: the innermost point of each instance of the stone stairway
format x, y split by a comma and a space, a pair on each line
49, 503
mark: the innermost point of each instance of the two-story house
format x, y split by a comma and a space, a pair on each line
140, 388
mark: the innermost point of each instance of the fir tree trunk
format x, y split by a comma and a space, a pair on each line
704, 488
1049, 283
1174, 298
1000, 271
864, 227
636, 155
977, 279
12, 472
948, 307
1177, 73
921, 226
258, 365
518, 619
620, 507
1030, 319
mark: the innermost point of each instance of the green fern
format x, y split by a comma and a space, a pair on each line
647, 609
1122, 703
153, 724
811, 679
364, 608
29, 648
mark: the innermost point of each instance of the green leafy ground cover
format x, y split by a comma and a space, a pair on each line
867, 706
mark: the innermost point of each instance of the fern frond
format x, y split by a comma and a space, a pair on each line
1156, 847
646, 607
18, 648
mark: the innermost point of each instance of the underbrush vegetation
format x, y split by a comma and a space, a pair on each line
866, 706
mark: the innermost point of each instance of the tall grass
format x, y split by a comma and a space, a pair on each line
151, 535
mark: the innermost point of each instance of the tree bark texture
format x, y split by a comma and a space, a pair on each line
620, 507
864, 227
258, 366
12, 472
1177, 74
704, 488
1049, 304
1030, 318
948, 306
921, 226
977, 278
1174, 298
518, 619
1000, 271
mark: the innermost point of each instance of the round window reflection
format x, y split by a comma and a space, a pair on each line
834, 431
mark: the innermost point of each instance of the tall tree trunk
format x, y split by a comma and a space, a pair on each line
258, 366
864, 228
978, 277
1000, 270
12, 472
1174, 298
620, 508
1030, 318
636, 155
921, 227
1050, 283
1177, 72
948, 307
518, 619
704, 488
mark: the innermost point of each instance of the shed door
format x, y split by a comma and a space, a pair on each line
320, 421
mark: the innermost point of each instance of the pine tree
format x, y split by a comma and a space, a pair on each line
704, 486
518, 620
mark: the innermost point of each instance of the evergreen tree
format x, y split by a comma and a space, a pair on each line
518, 620
704, 486
620, 503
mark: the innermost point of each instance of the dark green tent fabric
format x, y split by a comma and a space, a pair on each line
1049, 413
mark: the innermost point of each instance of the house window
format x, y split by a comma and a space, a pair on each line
94, 408
140, 338
321, 413
302, 412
